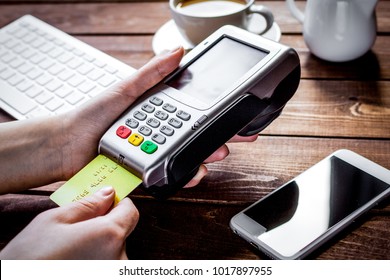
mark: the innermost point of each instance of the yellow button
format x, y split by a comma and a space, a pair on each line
136, 139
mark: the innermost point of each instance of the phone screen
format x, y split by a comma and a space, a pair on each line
216, 70
304, 209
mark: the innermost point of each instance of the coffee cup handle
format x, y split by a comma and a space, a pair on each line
296, 12
266, 13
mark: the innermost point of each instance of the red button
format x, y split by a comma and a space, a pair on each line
123, 132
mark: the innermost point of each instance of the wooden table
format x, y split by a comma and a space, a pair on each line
344, 105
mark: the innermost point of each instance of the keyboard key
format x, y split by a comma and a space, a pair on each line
37, 42
56, 69
24, 85
34, 73
53, 85
17, 62
11, 44
34, 91
86, 86
64, 57
74, 98
5, 38
3, 67
8, 57
99, 63
54, 53
66, 74
17, 100
78, 52
85, 69
37, 58
44, 79
6, 74
54, 104
59, 42
20, 33
39, 111
88, 58
46, 64
19, 48
106, 80
16, 79
64, 108
47, 47
29, 38
95, 74
28, 53
63, 91
43, 97
75, 63
110, 69
74, 81
25, 67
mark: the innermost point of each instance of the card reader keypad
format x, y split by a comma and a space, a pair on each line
150, 126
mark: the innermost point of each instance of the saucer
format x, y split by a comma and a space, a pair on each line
168, 37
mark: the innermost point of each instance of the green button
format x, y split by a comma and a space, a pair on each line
149, 147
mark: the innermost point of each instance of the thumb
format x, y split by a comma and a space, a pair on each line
152, 73
89, 207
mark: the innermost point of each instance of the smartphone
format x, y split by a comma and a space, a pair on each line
300, 216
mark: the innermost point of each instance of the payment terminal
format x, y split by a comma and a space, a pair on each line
234, 82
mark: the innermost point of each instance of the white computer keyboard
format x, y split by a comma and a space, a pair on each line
44, 71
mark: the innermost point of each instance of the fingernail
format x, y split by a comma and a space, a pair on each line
175, 49
106, 191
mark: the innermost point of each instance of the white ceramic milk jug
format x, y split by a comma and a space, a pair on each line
337, 30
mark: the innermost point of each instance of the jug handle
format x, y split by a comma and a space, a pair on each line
297, 13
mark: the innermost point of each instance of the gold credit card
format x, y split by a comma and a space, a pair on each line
97, 174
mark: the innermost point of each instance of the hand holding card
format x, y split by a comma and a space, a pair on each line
99, 173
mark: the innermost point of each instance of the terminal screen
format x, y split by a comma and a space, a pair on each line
216, 70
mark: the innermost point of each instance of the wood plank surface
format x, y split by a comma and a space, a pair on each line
141, 17
334, 108
137, 50
166, 229
258, 168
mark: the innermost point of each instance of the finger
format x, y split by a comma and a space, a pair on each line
239, 138
152, 73
219, 154
90, 207
202, 171
108, 106
123, 254
125, 215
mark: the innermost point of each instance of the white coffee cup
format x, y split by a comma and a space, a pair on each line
197, 19
337, 30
